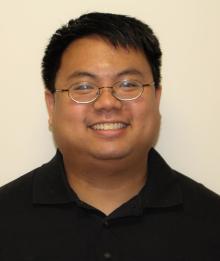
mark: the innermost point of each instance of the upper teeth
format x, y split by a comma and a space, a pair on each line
108, 126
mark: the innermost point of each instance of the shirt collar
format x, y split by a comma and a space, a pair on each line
50, 185
162, 188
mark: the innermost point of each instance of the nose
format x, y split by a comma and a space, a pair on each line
106, 101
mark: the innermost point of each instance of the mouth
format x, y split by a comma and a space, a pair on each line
109, 126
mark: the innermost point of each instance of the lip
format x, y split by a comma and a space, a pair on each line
108, 125
109, 133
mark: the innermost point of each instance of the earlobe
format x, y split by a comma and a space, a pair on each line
50, 102
158, 92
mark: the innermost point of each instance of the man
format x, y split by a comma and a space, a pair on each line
107, 194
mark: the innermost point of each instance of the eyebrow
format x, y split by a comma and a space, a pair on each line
77, 74
129, 71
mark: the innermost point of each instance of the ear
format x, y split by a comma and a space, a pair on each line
50, 102
158, 91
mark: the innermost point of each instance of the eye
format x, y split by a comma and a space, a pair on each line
83, 87
129, 84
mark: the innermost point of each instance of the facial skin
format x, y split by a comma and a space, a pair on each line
73, 123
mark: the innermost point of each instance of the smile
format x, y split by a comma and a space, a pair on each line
109, 126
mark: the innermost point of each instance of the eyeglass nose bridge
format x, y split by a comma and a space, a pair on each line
106, 87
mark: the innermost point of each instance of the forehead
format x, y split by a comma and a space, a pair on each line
98, 56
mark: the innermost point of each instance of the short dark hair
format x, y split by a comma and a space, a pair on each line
119, 30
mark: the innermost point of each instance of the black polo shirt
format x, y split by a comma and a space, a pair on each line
172, 218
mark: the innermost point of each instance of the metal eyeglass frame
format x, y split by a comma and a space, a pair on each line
152, 84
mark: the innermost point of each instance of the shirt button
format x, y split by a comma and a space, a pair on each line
106, 223
107, 255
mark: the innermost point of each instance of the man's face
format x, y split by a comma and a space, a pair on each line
76, 127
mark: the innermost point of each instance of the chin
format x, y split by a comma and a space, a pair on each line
110, 155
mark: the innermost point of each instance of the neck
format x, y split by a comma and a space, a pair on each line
106, 184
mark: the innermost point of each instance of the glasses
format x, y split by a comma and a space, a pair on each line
86, 92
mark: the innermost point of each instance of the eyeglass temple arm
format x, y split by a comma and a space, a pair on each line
149, 84
61, 90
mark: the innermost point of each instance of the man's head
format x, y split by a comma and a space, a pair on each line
102, 50
119, 30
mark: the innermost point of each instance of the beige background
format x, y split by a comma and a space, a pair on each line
190, 38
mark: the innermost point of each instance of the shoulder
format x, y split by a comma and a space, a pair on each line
17, 190
195, 189
16, 184
20, 191
24, 184
197, 198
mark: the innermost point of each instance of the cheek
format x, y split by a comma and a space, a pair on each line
143, 109
146, 117
68, 126
69, 116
